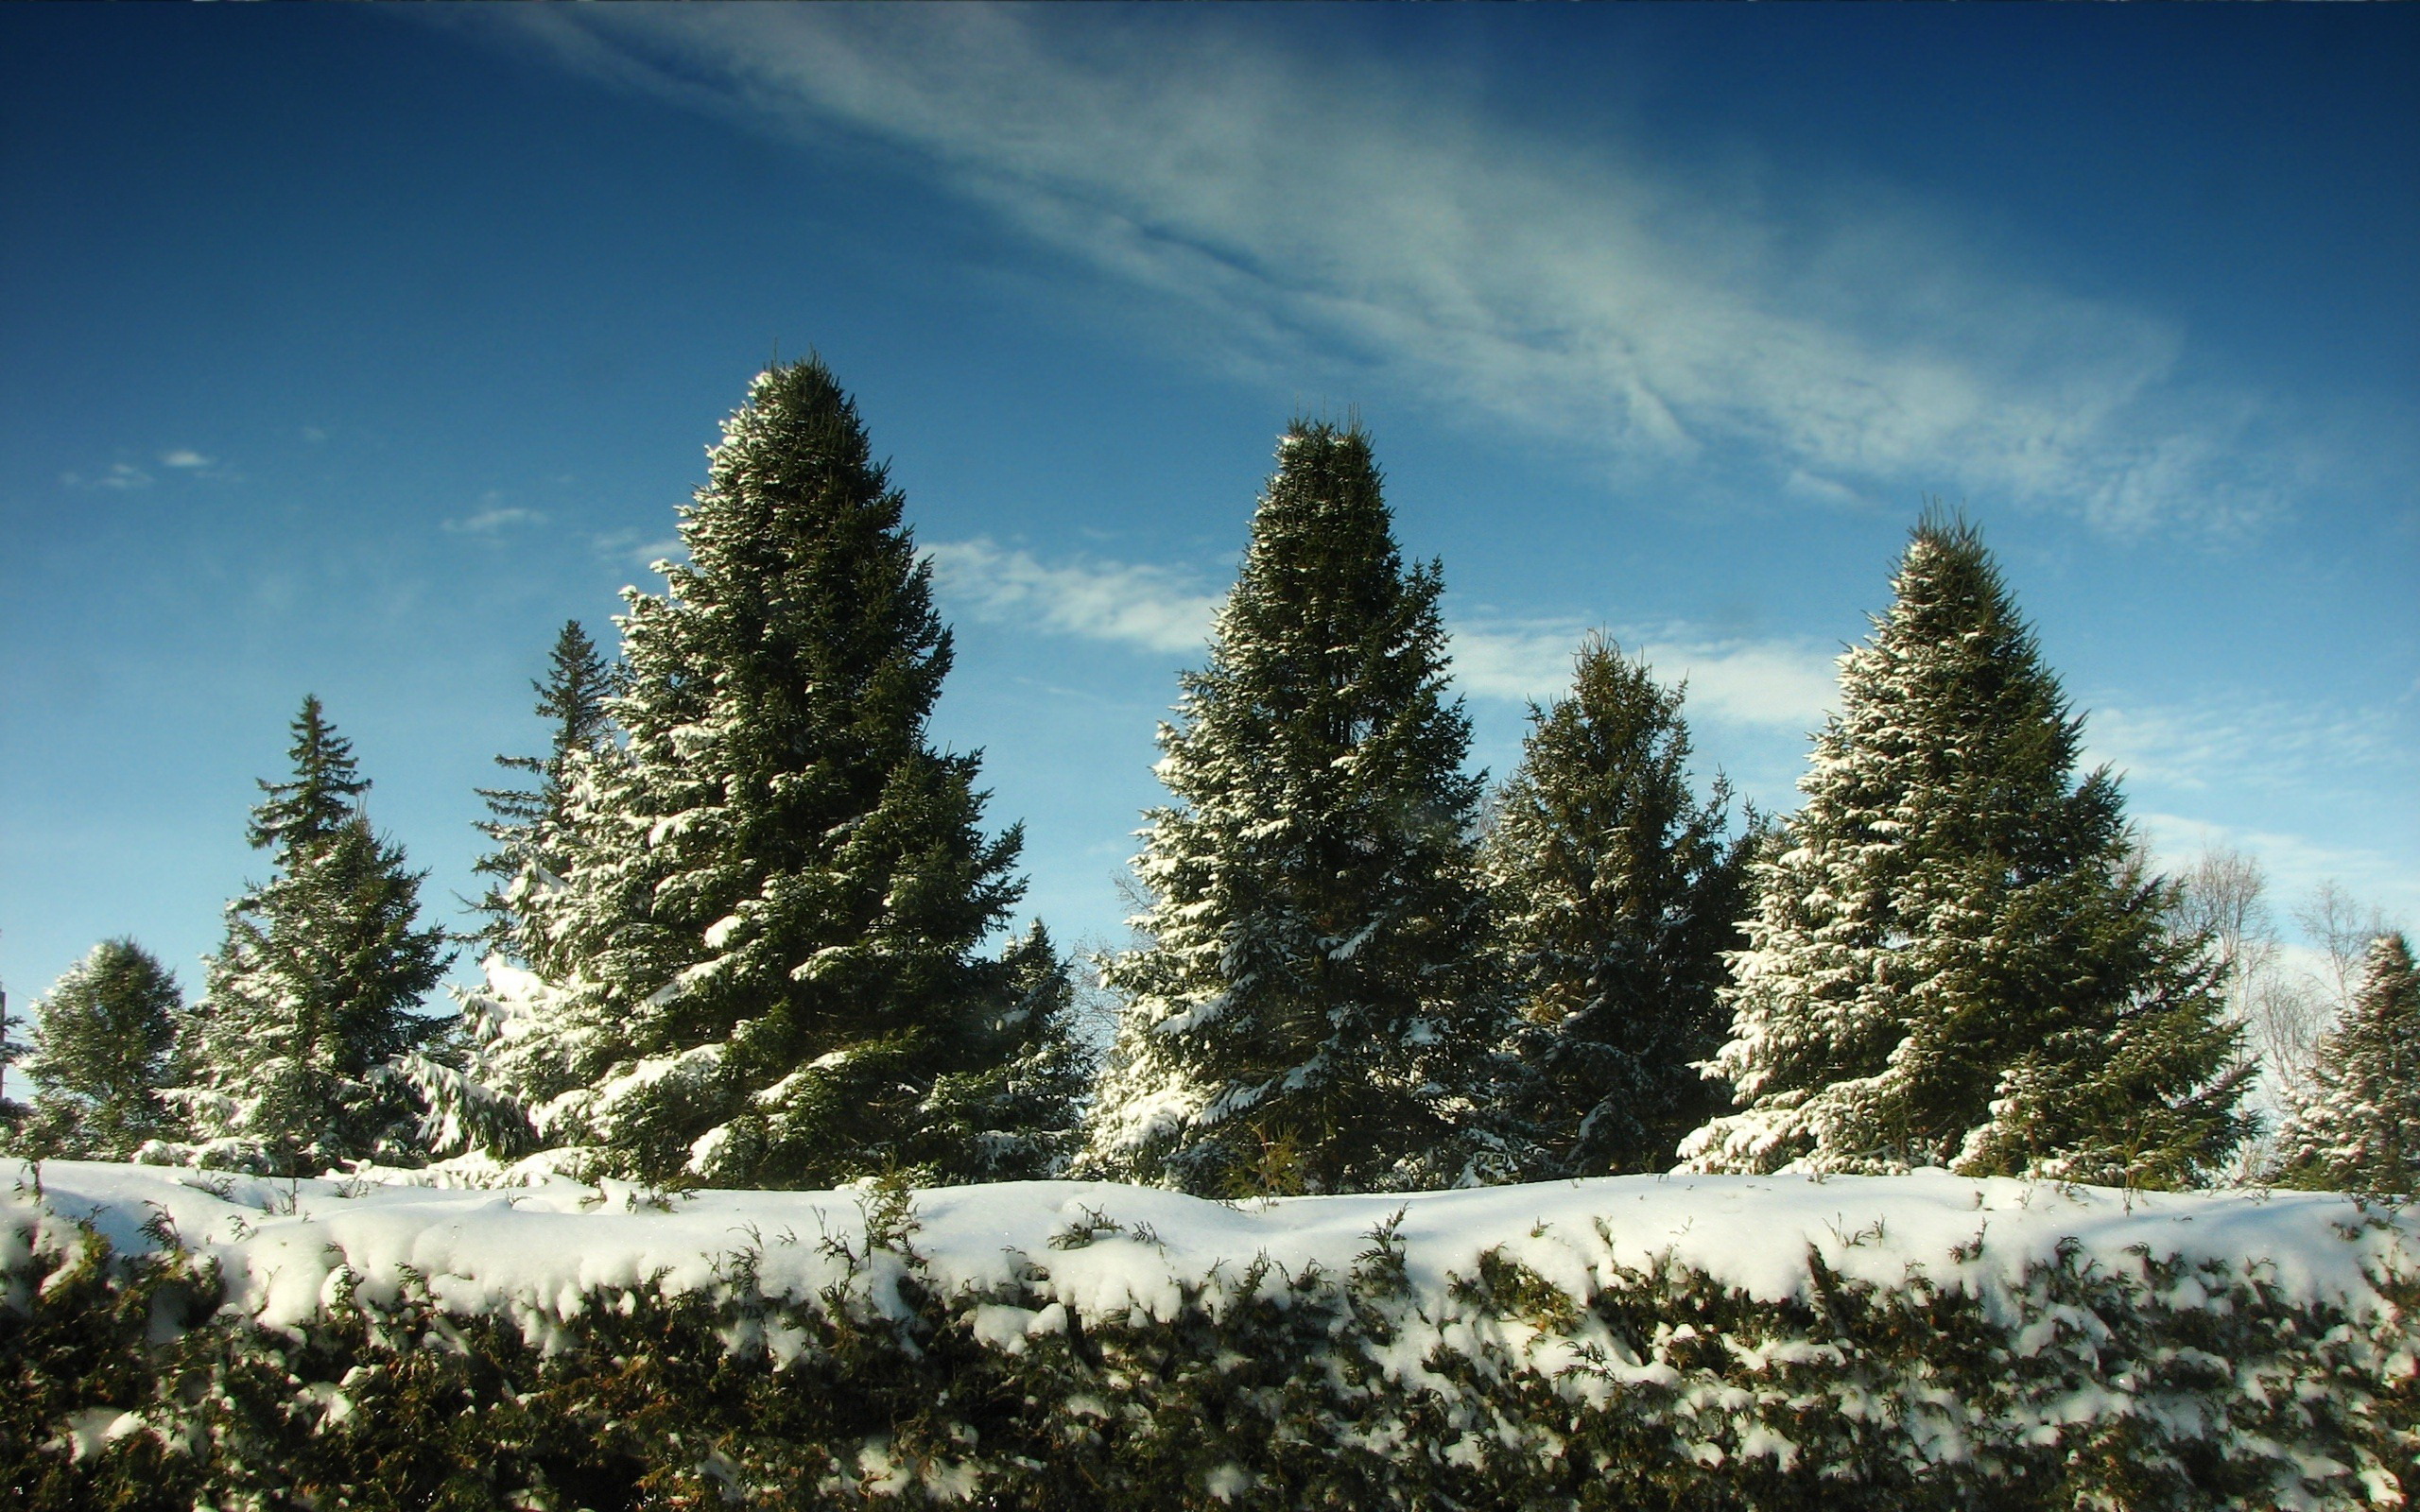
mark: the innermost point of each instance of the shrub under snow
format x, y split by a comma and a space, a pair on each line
177, 1338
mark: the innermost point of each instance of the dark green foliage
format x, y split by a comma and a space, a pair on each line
304, 1048
1314, 1011
302, 815
2356, 1127
1619, 893
103, 1050
528, 824
12, 1050
761, 967
1014, 1118
2171, 1388
1954, 958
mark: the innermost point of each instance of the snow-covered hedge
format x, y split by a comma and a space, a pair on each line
179, 1338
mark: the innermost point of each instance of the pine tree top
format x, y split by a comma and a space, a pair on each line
324, 793
1328, 638
801, 573
105, 1031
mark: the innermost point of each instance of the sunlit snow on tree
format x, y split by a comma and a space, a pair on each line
305, 1051
1954, 958
757, 965
2355, 1125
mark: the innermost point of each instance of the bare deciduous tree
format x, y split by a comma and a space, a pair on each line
2284, 1006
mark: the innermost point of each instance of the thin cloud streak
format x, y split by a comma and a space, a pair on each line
1772, 684
2265, 742
121, 476
1584, 297
2295, 864
1153, 609
1164, 610
493, 521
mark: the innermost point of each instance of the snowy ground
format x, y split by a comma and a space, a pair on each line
536, 1251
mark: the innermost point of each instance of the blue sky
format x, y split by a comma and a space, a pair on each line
351, 351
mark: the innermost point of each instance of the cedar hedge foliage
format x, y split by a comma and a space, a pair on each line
2172, 1386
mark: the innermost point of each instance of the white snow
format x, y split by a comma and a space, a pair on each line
533, 1252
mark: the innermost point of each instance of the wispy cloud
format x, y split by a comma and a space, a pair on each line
120, 475
2253, 741
2295, 864
1154, 609
637, 549
493, 521
187, 459
1845, 343
1776, 684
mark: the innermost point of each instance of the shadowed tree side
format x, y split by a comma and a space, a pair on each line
1314, 1011
1621, 893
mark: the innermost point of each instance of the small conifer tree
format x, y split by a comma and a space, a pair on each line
528, 823
103, 1047
760, 967
1313, 1010
304, 1049
1014, 1116
12, 1112
2356, 1126
1954, 958
1619, 893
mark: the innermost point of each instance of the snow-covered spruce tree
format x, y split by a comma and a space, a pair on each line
527, 824
103, 1049
1014, 1116
760, 965
2355, 1125
308, 1045
1619, 893
1954, 958
1313, 1010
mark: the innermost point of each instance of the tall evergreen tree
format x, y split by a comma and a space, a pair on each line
1619, 893
2356, 1126
304, 1048
1954, 959
761, 966
102, 1051
528, 824
1312, 1011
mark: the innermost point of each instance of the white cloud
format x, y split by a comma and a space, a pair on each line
1152, 607
184, 457
2295, 864
121, 475
1158, 609
493, 520
2248, 742
1784, 684
1323, 219
637, 550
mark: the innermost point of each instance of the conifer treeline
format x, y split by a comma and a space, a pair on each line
736, 915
